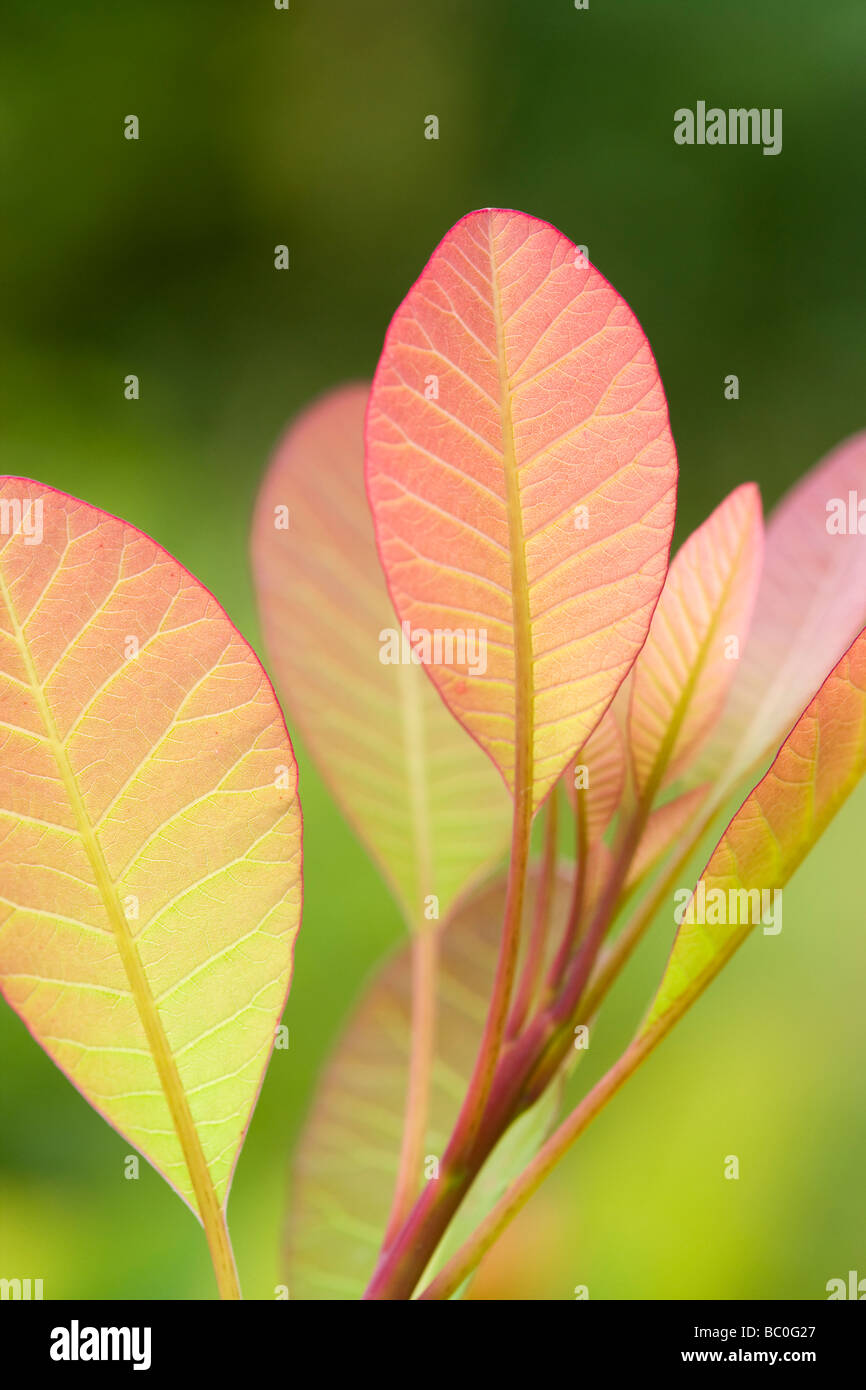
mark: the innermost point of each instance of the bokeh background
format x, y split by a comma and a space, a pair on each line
155, 257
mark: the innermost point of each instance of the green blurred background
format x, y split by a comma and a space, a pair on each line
156, 257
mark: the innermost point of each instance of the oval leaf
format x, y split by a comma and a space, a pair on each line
151, 835
346, 1164
420, 792
816, 769
522, 476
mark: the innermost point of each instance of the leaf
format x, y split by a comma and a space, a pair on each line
601, 765
817, 767
682, 676
346, 1163
663, 828
423, 797
811, 605
515, 389
151, 836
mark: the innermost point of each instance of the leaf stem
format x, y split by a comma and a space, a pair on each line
630, 935
465, 1260
540, 922
572, 926
222, 1255
403, 1263
462, 1263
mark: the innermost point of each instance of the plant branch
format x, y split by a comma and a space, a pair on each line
572, 926
403, 1263
631, 934
540, 922
467, 1258
476, 1246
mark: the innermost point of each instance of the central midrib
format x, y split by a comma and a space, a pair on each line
139, 984
414, 744
520, 611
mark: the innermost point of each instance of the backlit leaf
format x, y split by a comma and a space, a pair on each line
682, 676
150, 835
597, 776
420, 792
346, 1164
522, 476
817, 767
663, 829
811, 604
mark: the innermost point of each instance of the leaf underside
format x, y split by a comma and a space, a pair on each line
522, 477
817, 767
346, 1163
421, 794
150, 836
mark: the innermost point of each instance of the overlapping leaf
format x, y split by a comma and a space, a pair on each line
347, 1161
150, 834
597, 776
522, 477
815, 770
683, 674
811, 604
420, 792
666, 824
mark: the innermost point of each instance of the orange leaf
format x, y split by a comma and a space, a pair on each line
522, 476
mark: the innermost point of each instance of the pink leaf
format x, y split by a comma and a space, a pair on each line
811, 604
522, 476
425, 800
682, 676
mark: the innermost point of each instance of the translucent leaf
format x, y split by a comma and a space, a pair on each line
522, 476
346, 1163
419, 791
681, 678
815, 770
811, 604
150, 836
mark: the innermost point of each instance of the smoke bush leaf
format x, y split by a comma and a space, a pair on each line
810, 606
815, 770
420, 792
346, 1162
666, 823
522, 476
597, 776
150, 837
682, 676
